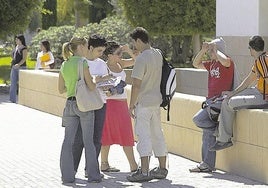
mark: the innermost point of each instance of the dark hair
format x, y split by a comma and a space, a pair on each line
140, 33
96, 41
21, 38
46, 44
111, 48
256, 43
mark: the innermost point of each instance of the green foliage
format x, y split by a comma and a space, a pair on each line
15, 15
56, 36
112, 28
173, 17
5, 69
49, 18
98, 10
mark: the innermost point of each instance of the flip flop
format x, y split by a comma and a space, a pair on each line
111, 169
198, 169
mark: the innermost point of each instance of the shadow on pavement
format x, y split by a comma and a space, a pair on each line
233, 178
119, 180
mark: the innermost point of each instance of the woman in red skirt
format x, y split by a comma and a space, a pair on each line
117, 126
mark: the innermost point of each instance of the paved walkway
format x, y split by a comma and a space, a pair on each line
30, 143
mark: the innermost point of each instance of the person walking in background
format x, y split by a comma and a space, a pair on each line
220, 78
117, 125
244, 96
72, 116
144, 107
98, 69
19, 56
45, 58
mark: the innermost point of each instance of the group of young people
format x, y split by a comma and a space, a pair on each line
98, 129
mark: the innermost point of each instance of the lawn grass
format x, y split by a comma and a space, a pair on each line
5, 68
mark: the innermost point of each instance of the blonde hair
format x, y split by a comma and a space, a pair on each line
69, 48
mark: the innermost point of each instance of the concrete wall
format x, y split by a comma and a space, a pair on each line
236, 22
248, 157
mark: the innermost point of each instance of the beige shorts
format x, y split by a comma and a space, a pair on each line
149, 132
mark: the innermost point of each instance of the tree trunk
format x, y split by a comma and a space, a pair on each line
181, 49
196, 44
81, 12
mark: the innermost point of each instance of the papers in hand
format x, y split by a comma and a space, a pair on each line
109, 83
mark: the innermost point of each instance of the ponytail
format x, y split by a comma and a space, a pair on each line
66, 52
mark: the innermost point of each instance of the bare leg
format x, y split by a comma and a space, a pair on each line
145, 164
130, 157
162, 161
104, 156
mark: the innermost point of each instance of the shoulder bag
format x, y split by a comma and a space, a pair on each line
86, 99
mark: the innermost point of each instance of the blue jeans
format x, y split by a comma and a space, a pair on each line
202, 120
72, 119
14, 78
78, 143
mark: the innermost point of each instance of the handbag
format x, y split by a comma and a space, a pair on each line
213, 107
86, 99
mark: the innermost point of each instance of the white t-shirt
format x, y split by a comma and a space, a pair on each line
98, 67
38, 60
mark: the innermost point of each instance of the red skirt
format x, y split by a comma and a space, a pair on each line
117, 125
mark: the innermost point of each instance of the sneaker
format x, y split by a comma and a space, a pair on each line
220, 145
159, 173
139, 177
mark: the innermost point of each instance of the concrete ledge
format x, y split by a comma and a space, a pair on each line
248, 157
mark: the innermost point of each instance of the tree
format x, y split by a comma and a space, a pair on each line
49, 17
179, 18
98, 10
15, 15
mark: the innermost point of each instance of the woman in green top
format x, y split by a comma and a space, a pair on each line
73, 53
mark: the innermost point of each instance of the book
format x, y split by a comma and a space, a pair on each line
45, 57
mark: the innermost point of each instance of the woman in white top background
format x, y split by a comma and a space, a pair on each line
45, 58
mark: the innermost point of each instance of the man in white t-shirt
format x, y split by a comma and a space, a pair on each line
144, 107
97, 68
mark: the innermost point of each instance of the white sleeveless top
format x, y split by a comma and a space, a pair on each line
122, 74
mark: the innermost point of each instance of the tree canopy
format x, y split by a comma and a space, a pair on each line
15, 15
173, 17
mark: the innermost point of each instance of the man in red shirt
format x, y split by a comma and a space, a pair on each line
220, 78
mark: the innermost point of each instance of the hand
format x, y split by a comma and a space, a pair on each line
228, 94
108, 93
131, 111
205, 46
43, 65
16, 66
125, 48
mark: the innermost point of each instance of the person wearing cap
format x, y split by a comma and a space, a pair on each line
244, 96
220, 69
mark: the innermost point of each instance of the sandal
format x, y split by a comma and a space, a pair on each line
198, 169
105, 167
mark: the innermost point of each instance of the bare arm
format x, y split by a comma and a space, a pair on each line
245, 83
61, 84
197, 63
222, 58
127, 62
136, 84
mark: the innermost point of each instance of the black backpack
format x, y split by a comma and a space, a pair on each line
168, 84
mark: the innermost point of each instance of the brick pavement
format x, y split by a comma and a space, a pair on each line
30, 143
